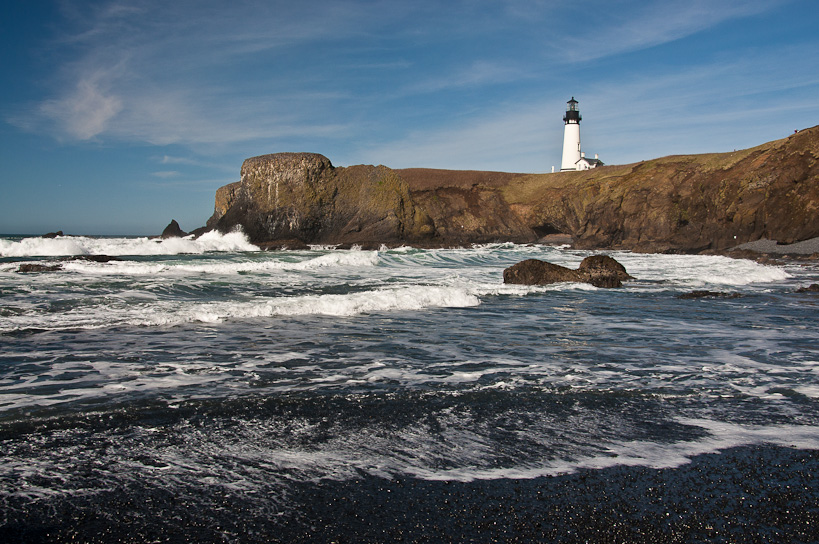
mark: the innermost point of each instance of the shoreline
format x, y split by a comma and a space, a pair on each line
743, 494
763, 250
757, 493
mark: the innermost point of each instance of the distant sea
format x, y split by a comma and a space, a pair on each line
205, 391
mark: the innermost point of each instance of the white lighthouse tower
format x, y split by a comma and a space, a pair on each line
573, 158
571, 137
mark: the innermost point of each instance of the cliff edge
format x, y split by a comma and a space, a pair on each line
684, 203
303, 198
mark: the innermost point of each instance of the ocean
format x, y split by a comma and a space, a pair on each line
205, 391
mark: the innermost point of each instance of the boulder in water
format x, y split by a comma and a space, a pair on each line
598, 270
812, 288
27, 268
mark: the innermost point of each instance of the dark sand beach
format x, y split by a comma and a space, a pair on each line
742, 495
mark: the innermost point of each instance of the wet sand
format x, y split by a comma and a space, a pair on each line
749, 494
743, 495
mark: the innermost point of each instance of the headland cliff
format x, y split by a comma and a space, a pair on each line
681, 203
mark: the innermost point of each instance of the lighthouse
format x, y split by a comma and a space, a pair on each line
571, 137
573, 158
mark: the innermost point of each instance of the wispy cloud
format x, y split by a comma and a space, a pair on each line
167, 72
478, 73
166, 174
679, 110
86, 111
203, 74
507, 135
612, 28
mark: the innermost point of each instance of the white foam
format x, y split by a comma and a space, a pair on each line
269, 262
169, 313
657, 455
395, 280
380, 300
700, 270
43, 247
83, 245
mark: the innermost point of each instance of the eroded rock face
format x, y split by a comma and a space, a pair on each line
685, 203
598, 270
467, 206
302, 197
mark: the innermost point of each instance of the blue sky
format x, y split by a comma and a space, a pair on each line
117, 116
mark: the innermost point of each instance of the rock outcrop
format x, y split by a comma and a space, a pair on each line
598, 270
686, 203
27, 268
301, 197
689, 203
467, 206
173, 230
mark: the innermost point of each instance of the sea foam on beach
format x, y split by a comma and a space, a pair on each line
217, 370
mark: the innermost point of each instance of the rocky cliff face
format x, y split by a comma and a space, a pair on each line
302, 197
686, 203
680, 203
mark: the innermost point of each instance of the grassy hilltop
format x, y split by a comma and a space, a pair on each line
686, 203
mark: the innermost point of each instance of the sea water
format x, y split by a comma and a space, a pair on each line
223, 375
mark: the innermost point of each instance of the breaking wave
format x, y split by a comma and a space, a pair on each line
84, 245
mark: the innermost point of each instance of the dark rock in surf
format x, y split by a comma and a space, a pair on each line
707, 294
603, 271
284, 245
812, 288
537, 272
597, 270
52, 234
27, 268
91, 258
173, 230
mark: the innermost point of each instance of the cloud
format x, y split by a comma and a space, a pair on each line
167, 159
719, 106
167, 174
86, 112
622, 27
204, 75
479, 73
163, 73
512, 137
